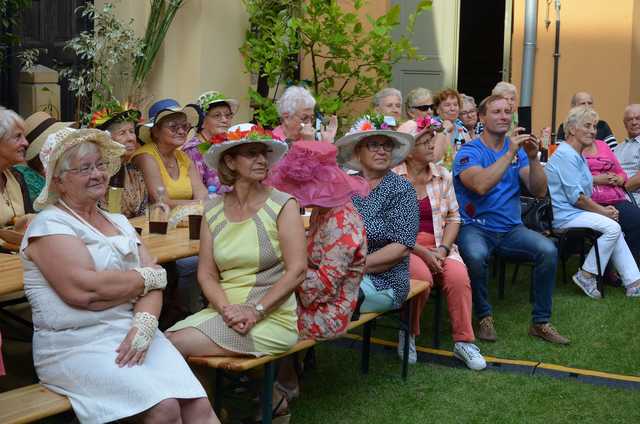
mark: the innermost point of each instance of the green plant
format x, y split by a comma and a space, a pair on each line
160, 18
9, 19
349, 62
107, 55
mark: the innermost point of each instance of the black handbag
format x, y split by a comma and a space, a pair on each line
537, 214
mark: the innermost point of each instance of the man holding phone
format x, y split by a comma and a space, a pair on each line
487, 173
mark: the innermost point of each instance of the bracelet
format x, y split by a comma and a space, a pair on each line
446, 249
147, 325
154, 278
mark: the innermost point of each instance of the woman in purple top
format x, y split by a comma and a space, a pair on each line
608, 189
218, 113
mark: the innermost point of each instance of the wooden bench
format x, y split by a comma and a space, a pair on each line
244, 364
31, 403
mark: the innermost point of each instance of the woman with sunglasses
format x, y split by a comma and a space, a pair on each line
389, 211
160, 159
419, 105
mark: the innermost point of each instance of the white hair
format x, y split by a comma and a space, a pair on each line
578, 116
295, 98
77, 151
8, 121
503, 88
386, 92
468, 99
416, 94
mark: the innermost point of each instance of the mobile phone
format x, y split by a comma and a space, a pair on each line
524, 119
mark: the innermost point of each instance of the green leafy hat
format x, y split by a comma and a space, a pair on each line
211, 98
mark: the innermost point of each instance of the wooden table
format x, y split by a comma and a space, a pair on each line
165, 247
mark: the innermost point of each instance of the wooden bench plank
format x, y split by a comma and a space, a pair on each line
243, 363
30, 403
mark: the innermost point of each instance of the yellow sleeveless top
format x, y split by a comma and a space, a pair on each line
179, 189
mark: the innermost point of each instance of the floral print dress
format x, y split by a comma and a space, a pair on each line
337, 249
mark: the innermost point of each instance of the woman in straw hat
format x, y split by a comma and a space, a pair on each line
252, 256
38, 126
96, 294
218, 113
120, 120
336, 243
389, 211
435, 256
162, 162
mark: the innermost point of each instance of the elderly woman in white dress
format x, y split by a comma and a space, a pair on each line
96, 294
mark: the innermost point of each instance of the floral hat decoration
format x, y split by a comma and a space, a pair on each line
420, 126
115, 112
60, 141
368, 126
245, 134
209, 99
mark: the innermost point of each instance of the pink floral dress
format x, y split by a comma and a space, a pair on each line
337, 249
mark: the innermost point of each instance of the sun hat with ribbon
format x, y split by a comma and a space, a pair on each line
244, 134
114, 112
61, 141
369, 126
420, 126
38, 126
310, 173
164, 108
211, 98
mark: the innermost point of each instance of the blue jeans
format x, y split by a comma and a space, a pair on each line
476, 247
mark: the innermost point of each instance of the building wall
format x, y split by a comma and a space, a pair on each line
199, 53
599, 51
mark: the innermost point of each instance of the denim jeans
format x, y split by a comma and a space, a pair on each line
476, 246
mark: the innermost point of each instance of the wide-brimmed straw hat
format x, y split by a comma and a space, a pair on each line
369, 126
244, 134
211, 98
162, 109
114, 112
61, 141
37, 128
310, 173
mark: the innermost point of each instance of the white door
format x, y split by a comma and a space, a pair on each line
436, 37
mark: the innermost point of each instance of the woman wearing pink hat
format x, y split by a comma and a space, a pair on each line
336, 242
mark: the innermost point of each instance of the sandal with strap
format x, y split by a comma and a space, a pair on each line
279, 415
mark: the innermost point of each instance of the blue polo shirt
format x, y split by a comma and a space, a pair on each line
499, 209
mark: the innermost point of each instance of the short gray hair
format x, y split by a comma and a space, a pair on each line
574, 98
468, 99
578, 116
415, 94
386, 92
80, 150
503, 88
294, 98
8, 121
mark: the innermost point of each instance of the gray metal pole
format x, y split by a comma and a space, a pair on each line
556, 65
529, 51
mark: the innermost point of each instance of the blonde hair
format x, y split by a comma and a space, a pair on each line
578, 116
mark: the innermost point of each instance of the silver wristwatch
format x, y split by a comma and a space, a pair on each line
259, 309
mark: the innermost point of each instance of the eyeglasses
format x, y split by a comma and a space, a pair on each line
219, 116
175, 128
86, 170
376, 146
307, 119
468, 112
253, 154
423, 108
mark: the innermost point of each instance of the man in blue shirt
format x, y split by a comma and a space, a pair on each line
487, 173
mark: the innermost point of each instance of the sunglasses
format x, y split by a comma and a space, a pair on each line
423, 108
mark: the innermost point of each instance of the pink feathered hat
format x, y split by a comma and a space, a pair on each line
310, 173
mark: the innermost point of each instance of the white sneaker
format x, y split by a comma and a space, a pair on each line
587, 284
413, 354
470, 355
